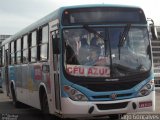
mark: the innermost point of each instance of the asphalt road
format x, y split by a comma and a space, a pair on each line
7, 110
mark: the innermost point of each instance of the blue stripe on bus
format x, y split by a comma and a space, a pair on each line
96, 96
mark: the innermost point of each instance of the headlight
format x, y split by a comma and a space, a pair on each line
146, 90
74, 94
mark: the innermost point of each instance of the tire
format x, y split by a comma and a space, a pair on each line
16, 103
45, 109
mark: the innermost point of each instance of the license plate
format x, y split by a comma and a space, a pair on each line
145, 104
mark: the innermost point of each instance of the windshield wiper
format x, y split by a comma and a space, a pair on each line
91, 30
123, 38
124, 35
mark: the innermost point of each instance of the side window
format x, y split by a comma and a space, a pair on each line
2, 56
12, 53
45, 34
33, 47
18, 51
25, 49
3, 52
55, 41
44, 44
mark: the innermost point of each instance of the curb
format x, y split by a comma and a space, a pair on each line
157, 89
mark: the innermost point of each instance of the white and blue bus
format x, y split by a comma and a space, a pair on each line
82, 61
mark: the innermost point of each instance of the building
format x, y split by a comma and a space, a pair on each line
156, 57
3, 37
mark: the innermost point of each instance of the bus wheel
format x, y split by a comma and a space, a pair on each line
14, 99
45, 109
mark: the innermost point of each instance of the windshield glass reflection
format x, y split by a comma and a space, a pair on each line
98, 53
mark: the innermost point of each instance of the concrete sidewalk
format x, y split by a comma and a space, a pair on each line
4, 97
157, 89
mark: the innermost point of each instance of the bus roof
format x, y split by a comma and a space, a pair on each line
56, 15
98, 5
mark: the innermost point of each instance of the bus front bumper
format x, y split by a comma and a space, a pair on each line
75, 109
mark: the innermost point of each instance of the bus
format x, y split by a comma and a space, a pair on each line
86, 61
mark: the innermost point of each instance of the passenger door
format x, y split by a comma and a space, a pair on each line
54, 65
56, 73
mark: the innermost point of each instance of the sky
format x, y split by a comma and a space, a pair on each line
17, 14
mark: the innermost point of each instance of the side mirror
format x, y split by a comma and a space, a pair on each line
152, 28
154, 32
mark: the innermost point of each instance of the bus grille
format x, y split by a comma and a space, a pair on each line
108, 96
112, 106
100, 87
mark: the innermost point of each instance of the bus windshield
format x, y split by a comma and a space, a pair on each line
98, 54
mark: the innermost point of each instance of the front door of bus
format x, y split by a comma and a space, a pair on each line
57, 86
